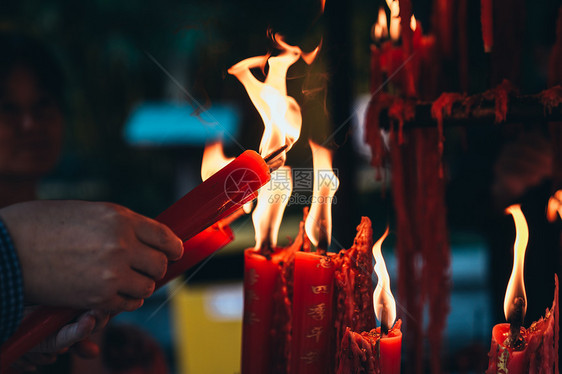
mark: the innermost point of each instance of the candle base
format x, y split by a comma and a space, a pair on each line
540, 354
370, 352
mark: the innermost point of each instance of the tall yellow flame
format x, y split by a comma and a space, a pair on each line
282, 121
554, 206
383, 300
318, 224
395, 21
516, 284
272, 201
280, 113
380, 30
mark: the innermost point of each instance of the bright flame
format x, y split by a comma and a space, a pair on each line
394, 21
280, 113
383, 301
213, 159
380, 29
554, 206
318, 224
395, 28
516, 284
272, 200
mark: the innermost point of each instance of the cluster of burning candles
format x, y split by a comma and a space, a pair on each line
291, 323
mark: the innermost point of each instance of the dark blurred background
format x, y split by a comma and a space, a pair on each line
119, 56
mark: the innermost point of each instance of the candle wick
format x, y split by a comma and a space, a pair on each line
266, 249
514, 339
384, 326
273, 155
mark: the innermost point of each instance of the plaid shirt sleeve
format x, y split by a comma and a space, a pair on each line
11, 286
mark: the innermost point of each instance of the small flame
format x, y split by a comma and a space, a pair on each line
395, 27
280, 113
383, 301
516, 284
272, 200
311, 56
318, 224
394, 21
380, 30
213, 159
554, 206
413, 23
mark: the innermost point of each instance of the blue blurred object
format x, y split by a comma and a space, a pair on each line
169, 124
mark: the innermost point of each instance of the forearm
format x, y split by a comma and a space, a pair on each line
11, 286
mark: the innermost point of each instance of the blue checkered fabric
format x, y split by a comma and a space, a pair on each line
11, 286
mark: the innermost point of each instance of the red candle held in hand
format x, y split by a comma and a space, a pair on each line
219, 196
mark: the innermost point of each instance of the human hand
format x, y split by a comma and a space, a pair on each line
88, 255
73, 337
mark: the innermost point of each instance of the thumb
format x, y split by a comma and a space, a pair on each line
69, 334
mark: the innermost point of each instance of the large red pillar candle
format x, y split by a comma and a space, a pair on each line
369, 352
313, 287
260, 278
266, 322
540, 352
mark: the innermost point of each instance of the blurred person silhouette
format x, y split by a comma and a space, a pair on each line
93, 256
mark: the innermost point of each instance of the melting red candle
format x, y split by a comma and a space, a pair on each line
515, 349
378, 350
